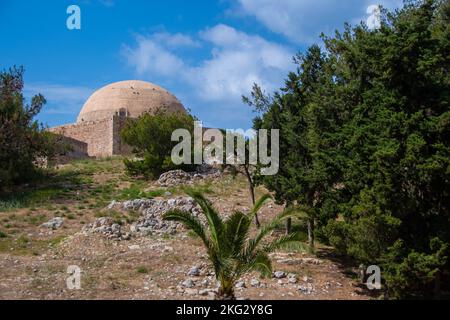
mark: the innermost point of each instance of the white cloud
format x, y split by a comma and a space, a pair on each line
60, 99
374, 19
302, 21
150, 56
237, 61
177, 40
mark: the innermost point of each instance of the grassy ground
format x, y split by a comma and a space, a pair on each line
80, 192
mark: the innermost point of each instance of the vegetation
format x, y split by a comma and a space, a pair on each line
22, 139
150, 137
364, 134
241, 164
230, 249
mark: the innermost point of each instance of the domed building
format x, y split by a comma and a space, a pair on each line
97, 130
128, 98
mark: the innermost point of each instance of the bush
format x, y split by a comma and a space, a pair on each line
416, 275
150, 138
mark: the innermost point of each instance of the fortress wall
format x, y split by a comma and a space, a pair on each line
98, 135
79, 150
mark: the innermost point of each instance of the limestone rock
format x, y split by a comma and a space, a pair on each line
194, 271
54, 223
255, 283
279, 274
188, 283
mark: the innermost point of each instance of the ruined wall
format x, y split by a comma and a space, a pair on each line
78, 150
97, 135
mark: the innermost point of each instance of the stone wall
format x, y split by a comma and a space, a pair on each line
78, 150
97, 135
95, 138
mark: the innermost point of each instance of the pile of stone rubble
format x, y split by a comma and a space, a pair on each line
150, 220
179, 177
108, 228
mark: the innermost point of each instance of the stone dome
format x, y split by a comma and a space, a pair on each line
128, 98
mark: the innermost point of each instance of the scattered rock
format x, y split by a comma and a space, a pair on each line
292, 278
194, 271
188, 283
312, 261
107, 227
308, 289
168, 249
134, 247
191, 292
54, 223
205, 282
112, 205
279, 274
289, 261
207, 292
203, 292
255, 283
240, 285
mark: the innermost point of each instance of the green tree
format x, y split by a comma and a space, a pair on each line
364, 134
243, 166
150, 138
22, 139
231, 250
296, 114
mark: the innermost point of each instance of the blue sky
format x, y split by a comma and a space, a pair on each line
208, 53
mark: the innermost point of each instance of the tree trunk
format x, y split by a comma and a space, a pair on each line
226, 291
311, 238
251, 188
437, 285
362, 274
288, 225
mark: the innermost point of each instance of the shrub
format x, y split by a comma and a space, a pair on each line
150, 138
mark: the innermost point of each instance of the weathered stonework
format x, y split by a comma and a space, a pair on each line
98, 138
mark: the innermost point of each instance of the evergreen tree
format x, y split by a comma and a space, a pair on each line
22, 139
364, 138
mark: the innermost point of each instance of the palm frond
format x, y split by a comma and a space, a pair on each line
261, 201
222, 265
280, 242
236, 229
262, 264
265, 230
215, 222
189, 221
